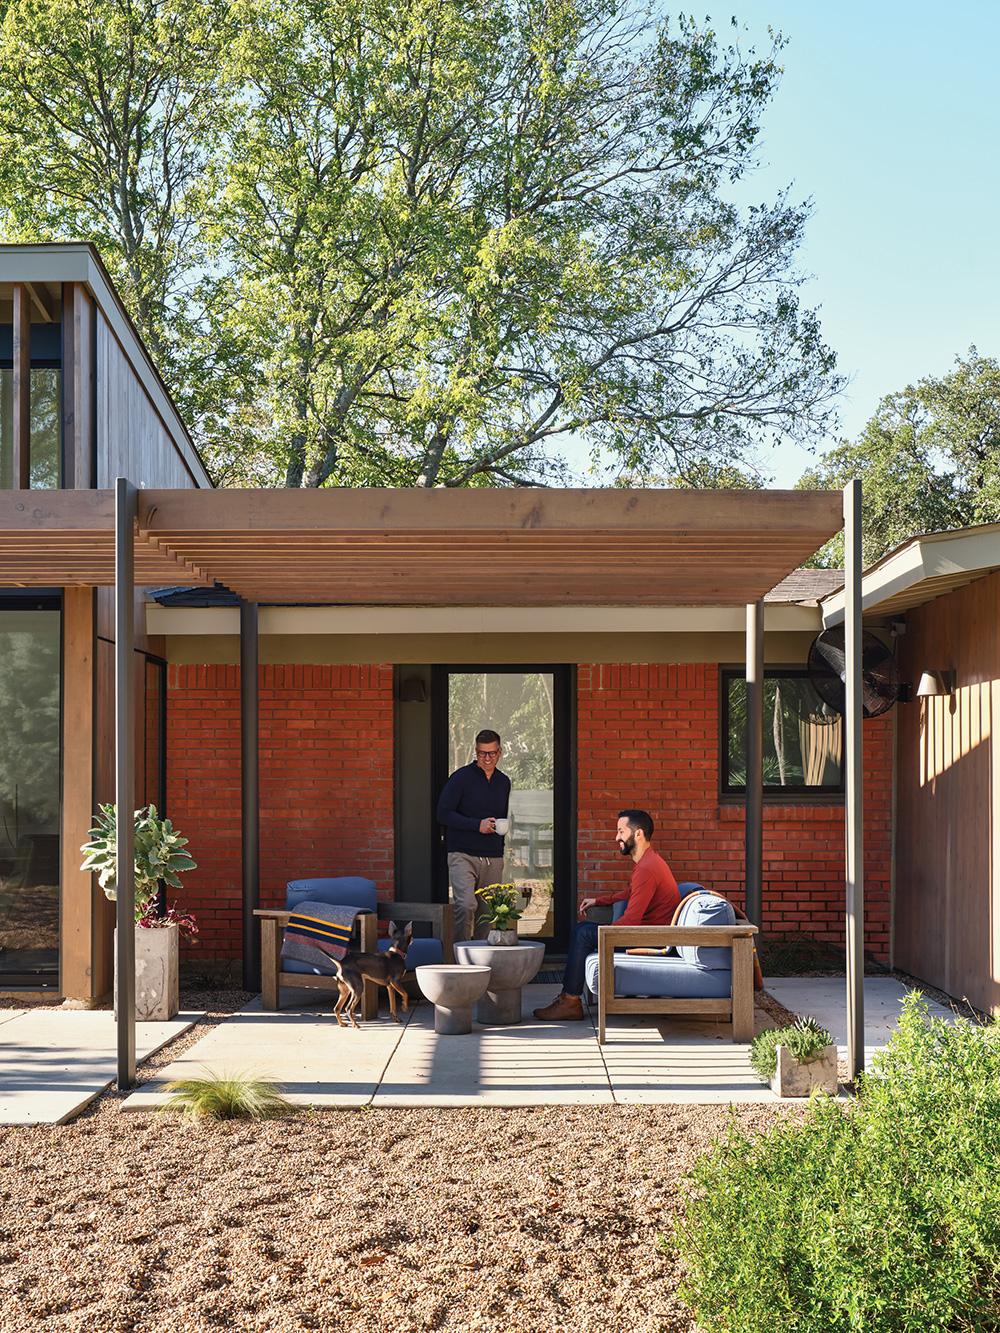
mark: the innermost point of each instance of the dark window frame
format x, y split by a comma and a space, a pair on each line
735, 794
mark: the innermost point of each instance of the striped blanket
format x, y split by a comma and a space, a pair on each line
317, 932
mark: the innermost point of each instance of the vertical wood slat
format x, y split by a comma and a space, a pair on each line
22, 387
78, 387
80, 898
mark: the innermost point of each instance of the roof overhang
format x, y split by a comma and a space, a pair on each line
371, 547
920, 570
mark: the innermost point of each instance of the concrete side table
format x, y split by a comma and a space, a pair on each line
452, 990
511, 967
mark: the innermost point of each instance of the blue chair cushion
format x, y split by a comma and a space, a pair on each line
349, 890
419, 953
707, 910
662, 977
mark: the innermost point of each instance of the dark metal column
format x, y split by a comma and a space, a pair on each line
754, 843
125, 517
853, 793
250, 786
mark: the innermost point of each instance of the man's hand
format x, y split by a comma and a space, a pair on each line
487, 826
585, 903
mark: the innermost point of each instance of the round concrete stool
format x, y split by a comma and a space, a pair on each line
452, 989
511, 967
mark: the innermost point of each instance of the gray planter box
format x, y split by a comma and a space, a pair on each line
792, 1079
157, 981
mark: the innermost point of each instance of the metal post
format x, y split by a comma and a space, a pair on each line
125, 516
754, 844
853, 793
250, 788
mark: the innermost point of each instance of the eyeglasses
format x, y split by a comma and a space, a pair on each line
487, 754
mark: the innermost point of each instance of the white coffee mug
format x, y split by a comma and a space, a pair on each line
502, 826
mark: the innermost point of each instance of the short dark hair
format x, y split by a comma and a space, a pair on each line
639, 819
488, 738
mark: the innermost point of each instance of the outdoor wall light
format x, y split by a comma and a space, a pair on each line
936, 682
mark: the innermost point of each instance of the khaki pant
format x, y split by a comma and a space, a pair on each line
469, 876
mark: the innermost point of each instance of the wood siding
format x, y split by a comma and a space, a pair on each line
132, 440
948, 799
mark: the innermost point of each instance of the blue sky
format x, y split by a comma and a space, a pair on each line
888, 118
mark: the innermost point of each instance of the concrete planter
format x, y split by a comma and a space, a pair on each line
157, 974
508, 937
792, 1079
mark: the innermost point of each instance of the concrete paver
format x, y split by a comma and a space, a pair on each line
54, 1062
825, 998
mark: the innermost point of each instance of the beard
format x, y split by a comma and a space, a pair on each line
627, 847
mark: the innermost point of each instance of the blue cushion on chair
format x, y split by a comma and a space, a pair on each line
661, 976
707, 910
349, 890
419, 953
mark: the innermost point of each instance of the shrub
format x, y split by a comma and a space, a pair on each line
883, 1218
804, 1038
227, 1097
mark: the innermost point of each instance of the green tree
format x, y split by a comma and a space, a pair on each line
423, 243
928, 460
107, 117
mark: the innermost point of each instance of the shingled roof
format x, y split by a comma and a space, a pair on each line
807, 585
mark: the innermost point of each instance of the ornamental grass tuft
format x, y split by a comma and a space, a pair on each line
882, 1216
228, 1097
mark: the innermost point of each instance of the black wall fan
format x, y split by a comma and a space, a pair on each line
827, 666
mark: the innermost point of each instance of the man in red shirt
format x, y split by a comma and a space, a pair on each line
652, 899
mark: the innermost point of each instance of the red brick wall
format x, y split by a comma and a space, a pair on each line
648, 737
326, 799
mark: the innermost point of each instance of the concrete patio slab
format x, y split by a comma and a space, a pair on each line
317, 1062
54, 1062
825, 999
527, 1064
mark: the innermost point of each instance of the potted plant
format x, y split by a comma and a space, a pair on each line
160, 855
797, 1060
503, 911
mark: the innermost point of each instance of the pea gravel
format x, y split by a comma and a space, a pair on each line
386, 1220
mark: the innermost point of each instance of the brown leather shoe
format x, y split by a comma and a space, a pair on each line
563, 1007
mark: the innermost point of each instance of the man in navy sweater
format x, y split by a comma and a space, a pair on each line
473, 799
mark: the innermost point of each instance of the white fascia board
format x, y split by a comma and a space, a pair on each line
306, 620
966, 551
80, 262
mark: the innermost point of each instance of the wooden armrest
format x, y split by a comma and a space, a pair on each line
270, 914
620, 936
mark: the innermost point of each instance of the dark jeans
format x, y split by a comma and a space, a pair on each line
582, 941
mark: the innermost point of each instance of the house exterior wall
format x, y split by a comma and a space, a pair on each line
326, 800
947, 917
647, 736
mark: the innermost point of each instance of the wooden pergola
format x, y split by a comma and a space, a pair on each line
373, 547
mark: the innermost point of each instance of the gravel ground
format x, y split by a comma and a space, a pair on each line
388, 1220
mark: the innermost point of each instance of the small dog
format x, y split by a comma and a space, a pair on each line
385, 969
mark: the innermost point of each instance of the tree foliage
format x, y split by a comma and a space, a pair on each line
422, 243
929, 459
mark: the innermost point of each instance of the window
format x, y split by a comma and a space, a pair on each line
45, 463
803, 741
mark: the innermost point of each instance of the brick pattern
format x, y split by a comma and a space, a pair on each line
326, 799
648, 736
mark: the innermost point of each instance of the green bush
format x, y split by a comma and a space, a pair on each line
882, 1217
804, 1038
